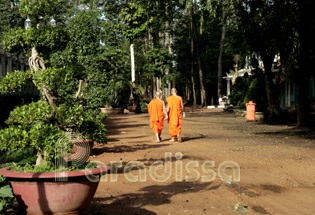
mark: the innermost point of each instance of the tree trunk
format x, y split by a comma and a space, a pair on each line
220, 72
150, 46
168, 43
281, 79
193, 87
162, 44
191, 36
154, 86
273, 110
201, 22
37, 63
202, 87
188, 93
158, 83
132, 57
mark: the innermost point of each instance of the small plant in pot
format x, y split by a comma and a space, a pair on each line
136, 91
58, 181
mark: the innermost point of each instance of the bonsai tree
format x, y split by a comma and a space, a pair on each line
62, 61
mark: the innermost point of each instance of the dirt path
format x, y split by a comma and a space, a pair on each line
277, 168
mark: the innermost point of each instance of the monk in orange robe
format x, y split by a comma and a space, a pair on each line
175, 107
157, 110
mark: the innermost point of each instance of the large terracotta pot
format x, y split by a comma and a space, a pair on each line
54, 193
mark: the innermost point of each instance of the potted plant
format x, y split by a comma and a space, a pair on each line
41, 185
64, 68
135, 92
132, 107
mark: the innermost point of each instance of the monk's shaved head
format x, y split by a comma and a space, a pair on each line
173, 91
158, 94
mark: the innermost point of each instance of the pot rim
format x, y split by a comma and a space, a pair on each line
81, 140
36, 175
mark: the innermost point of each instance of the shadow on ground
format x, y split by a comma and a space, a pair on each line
305, 132
133, 203
212, 114
125, 148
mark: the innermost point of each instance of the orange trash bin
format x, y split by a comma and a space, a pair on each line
250, 111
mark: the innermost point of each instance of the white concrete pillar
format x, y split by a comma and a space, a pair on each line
228, 87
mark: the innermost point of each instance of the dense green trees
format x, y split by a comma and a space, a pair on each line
65, 67
9, 15
277, 27
187, 44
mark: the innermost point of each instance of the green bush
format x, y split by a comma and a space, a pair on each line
251, 88
257, 93
238, 92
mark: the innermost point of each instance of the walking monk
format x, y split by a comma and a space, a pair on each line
175, 107
157, 110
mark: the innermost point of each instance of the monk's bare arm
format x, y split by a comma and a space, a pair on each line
167, 108
182, 104
164, 111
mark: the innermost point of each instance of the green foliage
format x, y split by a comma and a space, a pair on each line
41, 136
143, 106
75, 76
46, 39
29, 114
14, 81
134, 17
9, 16
81, 120
36, 8
208, 43
157, 60
44, 137
30, 126
257, 92
82, 30
6, 194
51, 168
18, 157
250, 88
14, 137
37, 126
238, 92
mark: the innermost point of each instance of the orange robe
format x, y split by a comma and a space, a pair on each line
155, 109
174, 115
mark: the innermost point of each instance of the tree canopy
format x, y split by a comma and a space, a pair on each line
188, 44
